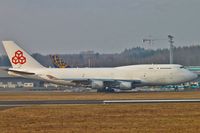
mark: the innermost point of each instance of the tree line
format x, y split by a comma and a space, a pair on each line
188, 56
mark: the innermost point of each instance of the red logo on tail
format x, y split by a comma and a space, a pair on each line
18, 58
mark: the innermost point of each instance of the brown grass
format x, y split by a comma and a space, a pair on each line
153, 118
118, 118
95, 96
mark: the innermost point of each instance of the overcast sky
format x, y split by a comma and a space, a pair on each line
105, 26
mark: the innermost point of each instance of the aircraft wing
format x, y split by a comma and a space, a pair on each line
107, 82
112, 83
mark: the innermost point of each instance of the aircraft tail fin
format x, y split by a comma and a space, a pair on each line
18, 57
58, 62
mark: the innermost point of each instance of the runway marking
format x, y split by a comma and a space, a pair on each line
152, 101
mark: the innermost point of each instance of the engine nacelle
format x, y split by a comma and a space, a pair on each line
97, 84
125, 85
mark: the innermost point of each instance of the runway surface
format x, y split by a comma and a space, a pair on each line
63, 102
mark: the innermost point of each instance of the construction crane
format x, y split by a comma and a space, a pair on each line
150, 40
58, 62
170, 37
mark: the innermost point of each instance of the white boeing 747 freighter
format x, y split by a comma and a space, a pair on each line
123, 77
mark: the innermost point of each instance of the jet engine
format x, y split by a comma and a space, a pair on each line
97, 84
125, 85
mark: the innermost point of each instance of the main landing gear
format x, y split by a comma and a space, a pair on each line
106, 89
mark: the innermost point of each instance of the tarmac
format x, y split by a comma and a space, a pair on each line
76, 102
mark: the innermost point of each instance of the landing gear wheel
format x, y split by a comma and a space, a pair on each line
110, 90
107, 90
